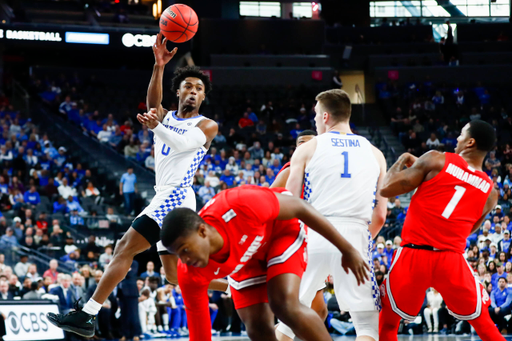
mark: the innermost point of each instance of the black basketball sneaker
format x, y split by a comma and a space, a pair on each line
76, 321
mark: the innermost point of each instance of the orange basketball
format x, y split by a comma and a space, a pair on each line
179, 23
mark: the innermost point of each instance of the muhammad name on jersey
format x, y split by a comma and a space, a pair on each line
471, 179
337, 142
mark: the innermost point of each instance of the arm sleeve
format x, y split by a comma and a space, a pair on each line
192, 139
195, 297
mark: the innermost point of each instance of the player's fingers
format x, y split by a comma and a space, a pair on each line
174, 50
159, 39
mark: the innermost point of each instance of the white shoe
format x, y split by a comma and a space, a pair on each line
429, 330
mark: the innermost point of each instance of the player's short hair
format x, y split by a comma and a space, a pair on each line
484, 135
177, 223
337, 103
190, 71
307, 132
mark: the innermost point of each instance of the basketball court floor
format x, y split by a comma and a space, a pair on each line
400, 338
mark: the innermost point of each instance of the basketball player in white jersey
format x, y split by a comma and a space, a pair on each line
182, 138
341, 173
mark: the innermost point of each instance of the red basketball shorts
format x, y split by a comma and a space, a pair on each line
286, 254
413, 271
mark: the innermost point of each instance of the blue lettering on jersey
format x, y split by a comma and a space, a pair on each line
336, 142
176, 130
166, 150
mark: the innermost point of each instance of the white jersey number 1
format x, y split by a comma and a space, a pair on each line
459, 192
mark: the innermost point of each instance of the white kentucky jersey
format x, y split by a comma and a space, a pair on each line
173, 168
341, 178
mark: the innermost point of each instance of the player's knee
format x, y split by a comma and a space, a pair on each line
284, 306
260, 329
124, 248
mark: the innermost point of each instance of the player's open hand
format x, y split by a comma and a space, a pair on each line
352, 260
409, 159
162, 55
149, 118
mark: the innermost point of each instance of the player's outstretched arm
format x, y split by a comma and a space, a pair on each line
381, 203
298, 165
399, 181
194, 138
491, 203
292, 207
155, 91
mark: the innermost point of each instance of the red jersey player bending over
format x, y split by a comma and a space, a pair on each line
253, 235
452, 200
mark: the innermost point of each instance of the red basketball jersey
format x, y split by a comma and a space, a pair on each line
444, 209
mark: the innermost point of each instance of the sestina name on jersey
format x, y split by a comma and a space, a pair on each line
337, 142
471, 179
175, 129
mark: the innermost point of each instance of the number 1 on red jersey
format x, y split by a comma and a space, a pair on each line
459, 192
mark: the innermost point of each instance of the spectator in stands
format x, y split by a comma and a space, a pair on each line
245, 121
66, 106
113, 218
8, 239
92, 247
64, 294
30, 159
65, 190
70, 245
60, 206
75, 219
33, 294
32, 273
504, 244
31, 197
131, 150
115, 138
18, 228
128, 189
219, 139
492, 161
92, 192
501, 299
106, 257
50, 189
41, 222
5, 294
433, 141
21, 268
104, 135
256, 151
52, 271
227, 178
206, 192
28, 242
434, 300
212, 179
150, 271
150, 160
60, 159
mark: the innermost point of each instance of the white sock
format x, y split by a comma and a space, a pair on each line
92, 307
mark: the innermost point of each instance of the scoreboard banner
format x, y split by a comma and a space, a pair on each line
26, 321
128, 40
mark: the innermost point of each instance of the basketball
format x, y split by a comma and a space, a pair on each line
179, 23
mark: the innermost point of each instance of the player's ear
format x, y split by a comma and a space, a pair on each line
178, 93
202, 230
471, 143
